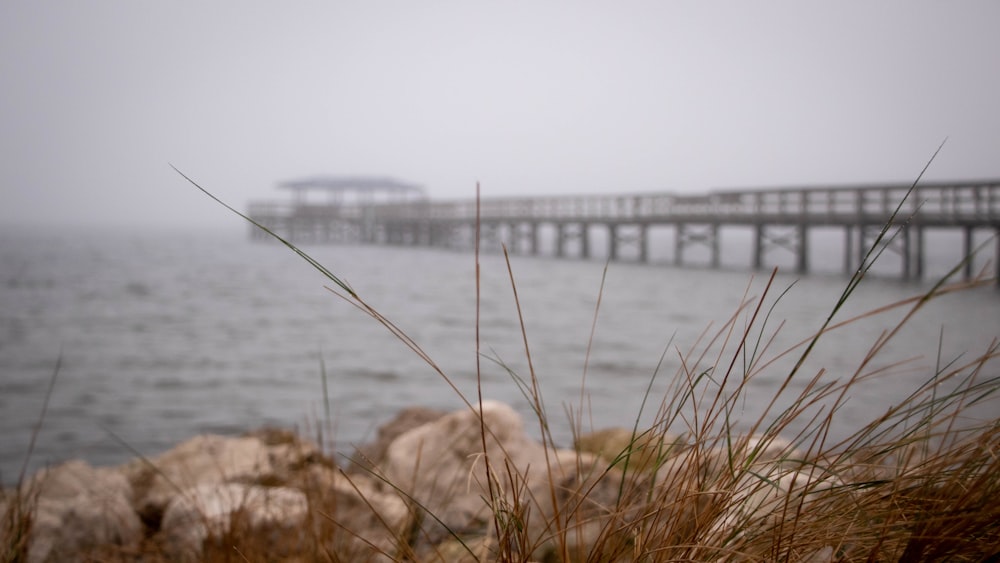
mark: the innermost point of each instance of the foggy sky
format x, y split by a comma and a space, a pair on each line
99, 97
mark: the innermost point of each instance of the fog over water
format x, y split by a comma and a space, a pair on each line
526, 97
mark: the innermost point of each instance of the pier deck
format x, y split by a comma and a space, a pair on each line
779, 218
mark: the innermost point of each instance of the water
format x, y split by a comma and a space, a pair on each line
166, 335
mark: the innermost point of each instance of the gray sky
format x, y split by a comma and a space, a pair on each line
525, 97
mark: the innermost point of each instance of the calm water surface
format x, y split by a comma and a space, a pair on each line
163, 336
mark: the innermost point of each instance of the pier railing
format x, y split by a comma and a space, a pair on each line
941, 203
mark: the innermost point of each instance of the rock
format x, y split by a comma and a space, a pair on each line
753, 501
80, 508
824, 554
349, 507
373, 454
272, 515
423, 493
627, 449
766, 472
267, 457
772, 449
721, 462
761, 498
468, 550
586, 494
441, 465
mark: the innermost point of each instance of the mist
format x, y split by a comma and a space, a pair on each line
101, 98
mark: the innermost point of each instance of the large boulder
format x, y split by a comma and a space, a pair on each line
742, 486
269, 516
77, 509
441, 467
353, 516
273, 494
370, 455
267, 457
630, 450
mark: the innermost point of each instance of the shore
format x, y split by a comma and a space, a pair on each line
422, 492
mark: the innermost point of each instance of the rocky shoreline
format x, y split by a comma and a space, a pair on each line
420, 492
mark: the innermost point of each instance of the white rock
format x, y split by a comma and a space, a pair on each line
359, 510
760, 500
208, 509
211, 459
78, 508
766, 449
824, 554
442, 466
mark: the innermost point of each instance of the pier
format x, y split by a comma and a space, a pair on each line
621, 226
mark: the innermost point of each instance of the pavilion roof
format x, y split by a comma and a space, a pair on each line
352, 184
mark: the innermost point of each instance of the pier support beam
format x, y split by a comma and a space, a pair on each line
966, 252
569, 231
918, 258
620, 234
795, 240
644, 243
524, 237
714, 237
802, 249
862, 245
901, 240
679, 244
848, 250
758, 247
612, 242
708, 235
996, 259
906, 253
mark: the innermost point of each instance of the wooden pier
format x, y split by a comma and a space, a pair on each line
384, 211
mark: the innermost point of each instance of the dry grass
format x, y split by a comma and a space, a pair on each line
917, 482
